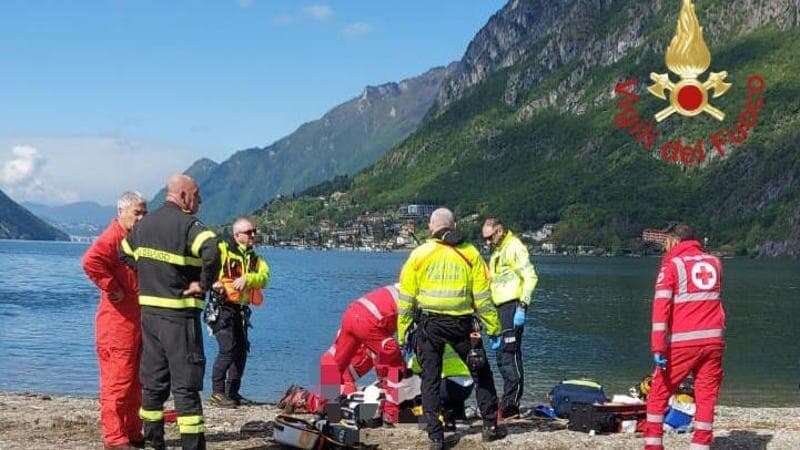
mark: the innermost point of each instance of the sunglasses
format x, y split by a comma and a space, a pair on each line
251, 232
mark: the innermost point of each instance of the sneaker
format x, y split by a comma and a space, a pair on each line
492, 432
221, 401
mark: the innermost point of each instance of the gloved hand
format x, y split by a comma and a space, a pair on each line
494, 342
519, 317
406, 355
660, 361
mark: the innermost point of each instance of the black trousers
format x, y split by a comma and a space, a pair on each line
231, 336
173, 360
434, 332
453, 396
509, 357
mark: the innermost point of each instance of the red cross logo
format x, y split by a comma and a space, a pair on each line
704, 275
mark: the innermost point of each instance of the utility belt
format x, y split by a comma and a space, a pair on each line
430, 315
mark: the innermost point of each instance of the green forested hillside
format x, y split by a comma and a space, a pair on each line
534, 141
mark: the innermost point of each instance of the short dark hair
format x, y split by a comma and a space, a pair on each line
492, 221
683, 232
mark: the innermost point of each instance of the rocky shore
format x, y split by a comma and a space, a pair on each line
37, 421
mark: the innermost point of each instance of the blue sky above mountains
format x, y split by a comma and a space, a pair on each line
129, 91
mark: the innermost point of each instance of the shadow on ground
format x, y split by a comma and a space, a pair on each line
742, 440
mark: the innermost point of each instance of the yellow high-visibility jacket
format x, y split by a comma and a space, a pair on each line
442, 279
512, 275
452, 364
237, 261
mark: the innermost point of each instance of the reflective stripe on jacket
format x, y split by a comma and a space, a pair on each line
512, 275
170, 249
256, 270
687, 305
442, 279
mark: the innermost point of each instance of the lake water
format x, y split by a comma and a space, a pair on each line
590, 319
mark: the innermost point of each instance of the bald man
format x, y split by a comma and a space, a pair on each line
177, 261
246, 274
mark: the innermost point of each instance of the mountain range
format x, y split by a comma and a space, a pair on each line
346, 139
523, 127
16, 222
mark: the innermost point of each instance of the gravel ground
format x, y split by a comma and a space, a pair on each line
35, 421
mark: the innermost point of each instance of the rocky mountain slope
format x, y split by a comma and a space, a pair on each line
17, 222
524, 127
346, 139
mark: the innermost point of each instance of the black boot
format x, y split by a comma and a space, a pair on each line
154, 435
491, 432
193, 441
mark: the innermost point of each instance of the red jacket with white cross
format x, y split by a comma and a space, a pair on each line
687, 305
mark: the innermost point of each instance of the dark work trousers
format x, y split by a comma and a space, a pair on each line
231, 336
173, 358
509, 358
453, 396
434, 332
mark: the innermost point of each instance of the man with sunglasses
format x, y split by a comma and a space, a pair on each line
512, 281
243, 274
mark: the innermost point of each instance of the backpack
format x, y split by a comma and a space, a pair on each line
564, 394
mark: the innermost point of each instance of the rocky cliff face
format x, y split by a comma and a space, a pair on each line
527, 118
584, 35
346, 139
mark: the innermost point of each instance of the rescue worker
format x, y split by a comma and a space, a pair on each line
118, 338
512, 280
369, 322
687, 335
177, 259
243, 275
442, 284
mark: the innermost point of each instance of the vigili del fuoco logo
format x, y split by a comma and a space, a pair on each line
688, 58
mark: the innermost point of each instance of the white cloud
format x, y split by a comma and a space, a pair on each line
96, 168
246, 3
357, 29
318, 12
22, 178
26, 163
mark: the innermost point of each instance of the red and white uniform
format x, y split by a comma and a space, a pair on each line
118, 338
366, 339
688, 328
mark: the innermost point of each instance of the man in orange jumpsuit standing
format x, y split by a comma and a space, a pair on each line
687, 335
366, 338
117, 328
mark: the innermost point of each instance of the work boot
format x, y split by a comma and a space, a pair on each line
193, 441
221, 401
154, 435
437, 444
492, 432
241, 401
509, 412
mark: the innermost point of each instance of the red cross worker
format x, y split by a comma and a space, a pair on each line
687, 335
366, 338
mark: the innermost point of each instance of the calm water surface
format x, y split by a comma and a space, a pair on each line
591, 318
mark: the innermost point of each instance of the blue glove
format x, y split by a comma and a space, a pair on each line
660, 361
406, 355
519, 317
494, 342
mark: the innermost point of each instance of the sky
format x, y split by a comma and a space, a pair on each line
101, 96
